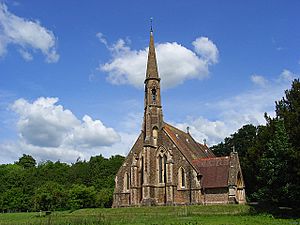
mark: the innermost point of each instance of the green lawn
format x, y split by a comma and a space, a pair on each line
190, 215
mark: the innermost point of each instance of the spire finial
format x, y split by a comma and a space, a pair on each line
151, 20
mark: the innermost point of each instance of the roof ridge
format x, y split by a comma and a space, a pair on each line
209, 158
194, 144
174, 127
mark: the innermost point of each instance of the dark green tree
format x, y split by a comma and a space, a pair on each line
81, 196
26, 161
53, 171
14, 200
104, 198
244, 142
79, 173
273, 173
50, 196
288, 109
241, 140
56, 185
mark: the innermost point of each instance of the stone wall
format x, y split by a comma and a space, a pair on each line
215, 196
159, 193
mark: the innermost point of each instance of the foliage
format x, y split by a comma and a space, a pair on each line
288, 109
25, 186
81, 196
273, 167
26, 161
104, 198
244, 142
50, 196
270, 154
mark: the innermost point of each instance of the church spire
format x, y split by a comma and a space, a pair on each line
152, 71
153, 118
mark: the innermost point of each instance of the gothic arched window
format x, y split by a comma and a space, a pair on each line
142, 170
165, 169
181, 177
155, 135
126, 181
160, 170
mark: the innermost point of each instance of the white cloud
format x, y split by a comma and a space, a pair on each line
42, 123
287, 75
10, 151
259, 80
234, 112
127, 66
92, 133
26, 55
122, 147
201, 128
101, 38
27, 34
48, 131
206, 48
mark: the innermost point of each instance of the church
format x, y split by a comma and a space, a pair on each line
167, 166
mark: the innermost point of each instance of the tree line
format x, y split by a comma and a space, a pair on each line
26, 186
270, 154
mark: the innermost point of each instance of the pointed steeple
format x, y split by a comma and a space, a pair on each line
153, 117
152, 71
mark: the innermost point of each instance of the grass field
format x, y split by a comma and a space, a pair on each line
184, 215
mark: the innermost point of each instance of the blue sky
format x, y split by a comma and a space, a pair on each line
71, 72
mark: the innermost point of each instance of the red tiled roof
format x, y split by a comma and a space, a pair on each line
214, 171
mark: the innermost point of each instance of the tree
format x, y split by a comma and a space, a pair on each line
50, 196
79, 173
270, 154
26, 161
14, 200
104, 198
288, 109
243, 141
274, 168
81, 196
56, 185
53, 171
